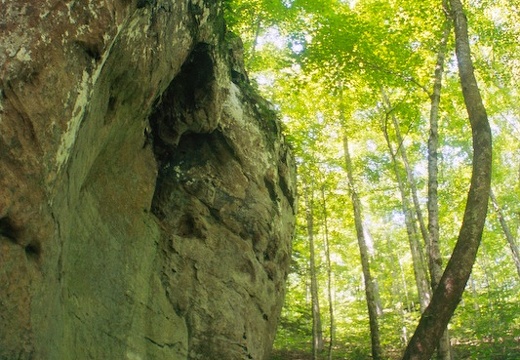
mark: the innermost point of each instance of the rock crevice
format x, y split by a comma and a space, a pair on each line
146, 192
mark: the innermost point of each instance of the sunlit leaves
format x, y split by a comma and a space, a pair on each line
311, 57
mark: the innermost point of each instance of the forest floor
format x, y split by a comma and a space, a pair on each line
477, 350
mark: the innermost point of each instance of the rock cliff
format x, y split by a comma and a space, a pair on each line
146, 192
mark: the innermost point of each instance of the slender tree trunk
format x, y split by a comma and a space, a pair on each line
370, 288
517, 217
409, 305
329, 273
421, 276
258, 27
451, 286
509, 236
474, 295
398, 289
433, 248
409, 172
371, 253
317, 332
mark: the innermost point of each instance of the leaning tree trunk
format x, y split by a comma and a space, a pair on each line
409, 172
419, 268
370, 285
507, 232
433, 248
451, 286
329, 273
317, 332
399, 290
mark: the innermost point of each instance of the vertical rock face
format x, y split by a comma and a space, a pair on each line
146, 193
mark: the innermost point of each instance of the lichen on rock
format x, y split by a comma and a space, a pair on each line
146, 192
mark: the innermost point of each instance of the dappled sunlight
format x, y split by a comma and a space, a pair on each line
365, 71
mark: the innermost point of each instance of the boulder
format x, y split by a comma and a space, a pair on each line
147, 195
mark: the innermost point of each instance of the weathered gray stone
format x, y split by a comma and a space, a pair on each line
146, 193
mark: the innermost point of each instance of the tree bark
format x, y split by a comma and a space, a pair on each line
432, 244
329, 273
317, 332
399, 289
451, 286
370, 284
409, 172
507, 232
419, 268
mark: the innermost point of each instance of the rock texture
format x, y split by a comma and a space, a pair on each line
146, 193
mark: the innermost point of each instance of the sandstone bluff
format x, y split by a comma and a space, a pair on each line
146, 192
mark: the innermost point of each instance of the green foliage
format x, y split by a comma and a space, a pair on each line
313, 58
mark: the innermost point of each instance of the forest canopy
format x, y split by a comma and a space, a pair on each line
391, 145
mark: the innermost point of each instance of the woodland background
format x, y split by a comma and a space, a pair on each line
366, 90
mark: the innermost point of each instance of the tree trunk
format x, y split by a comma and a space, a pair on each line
317, 332
433, 248
398, 289
255, 40
409, 172
474, 295
451, 286
329, 274
421, 276
370, 284
509, 236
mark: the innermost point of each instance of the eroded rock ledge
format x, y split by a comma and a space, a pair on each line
146, 193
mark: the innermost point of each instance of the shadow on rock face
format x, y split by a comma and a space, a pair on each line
189, 104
